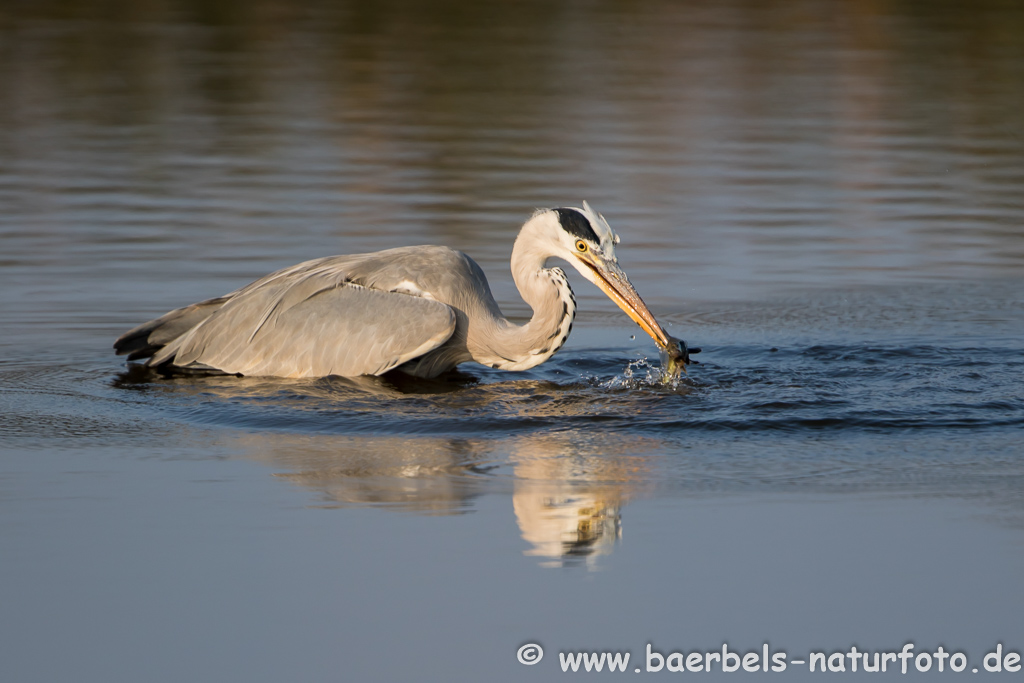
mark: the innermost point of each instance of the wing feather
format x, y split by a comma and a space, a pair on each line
313, 325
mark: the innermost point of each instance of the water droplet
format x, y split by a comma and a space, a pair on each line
632, 336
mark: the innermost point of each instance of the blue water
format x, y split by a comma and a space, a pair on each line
829, 200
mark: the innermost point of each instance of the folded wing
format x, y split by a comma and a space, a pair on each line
309, 324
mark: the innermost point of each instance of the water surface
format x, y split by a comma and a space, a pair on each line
829, 199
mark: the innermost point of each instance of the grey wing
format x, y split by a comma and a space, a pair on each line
148, 338
313, 327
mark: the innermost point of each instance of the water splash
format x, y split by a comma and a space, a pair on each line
644, 374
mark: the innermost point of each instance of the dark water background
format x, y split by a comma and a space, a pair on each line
827, 197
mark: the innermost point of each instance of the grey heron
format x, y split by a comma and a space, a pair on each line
420, 310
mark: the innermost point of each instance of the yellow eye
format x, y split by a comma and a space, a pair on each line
581, 245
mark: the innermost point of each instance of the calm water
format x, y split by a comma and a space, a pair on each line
828, 198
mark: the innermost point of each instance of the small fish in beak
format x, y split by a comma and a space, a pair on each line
675, 357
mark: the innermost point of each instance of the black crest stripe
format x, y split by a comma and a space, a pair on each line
576, 224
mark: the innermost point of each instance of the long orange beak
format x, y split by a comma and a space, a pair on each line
613, 282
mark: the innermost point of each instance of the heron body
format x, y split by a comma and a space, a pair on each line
421, 310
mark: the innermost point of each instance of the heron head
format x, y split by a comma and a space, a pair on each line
586, 241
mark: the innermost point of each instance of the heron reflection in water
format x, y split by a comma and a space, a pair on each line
420, 310
566, 496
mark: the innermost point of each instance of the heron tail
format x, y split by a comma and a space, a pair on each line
148, 338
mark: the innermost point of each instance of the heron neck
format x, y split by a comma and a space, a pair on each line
547, 292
